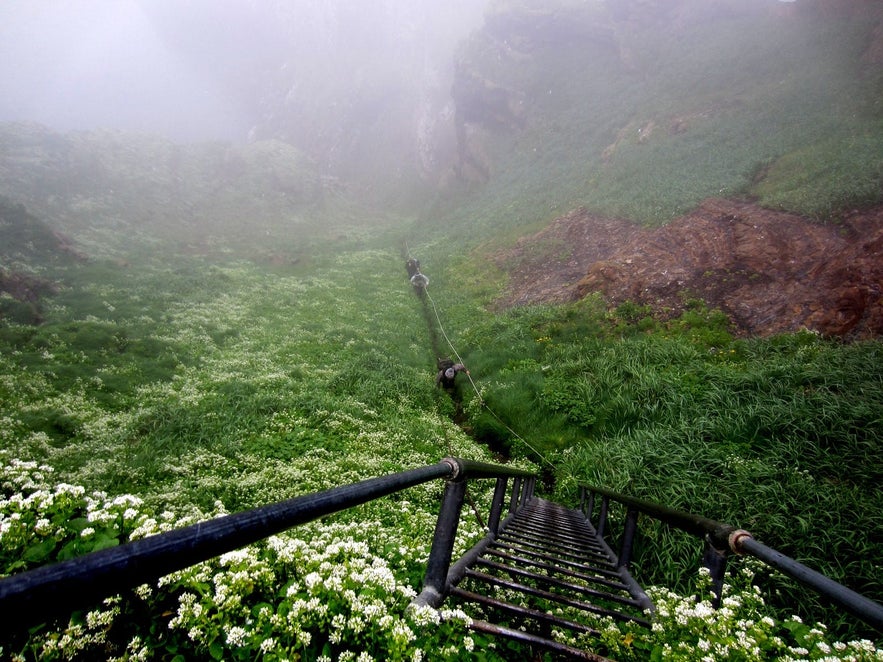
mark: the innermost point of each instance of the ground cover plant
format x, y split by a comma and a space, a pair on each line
779, 109
185, 390
777, 436
164, 386
268, 385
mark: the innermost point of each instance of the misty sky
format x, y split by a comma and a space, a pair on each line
137, 65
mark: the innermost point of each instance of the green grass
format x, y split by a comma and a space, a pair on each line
777, 436
778, 109
291, 362
189, 383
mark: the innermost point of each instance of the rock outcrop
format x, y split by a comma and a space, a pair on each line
771, 272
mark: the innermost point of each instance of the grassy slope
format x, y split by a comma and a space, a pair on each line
143, 377
777, 108
186, 381
779, 436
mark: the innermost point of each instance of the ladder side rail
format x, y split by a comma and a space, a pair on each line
864, 608
712, 532
716, 532
632, 586
37, 596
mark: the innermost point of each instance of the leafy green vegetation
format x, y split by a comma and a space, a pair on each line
197, 388
778, 108
776, 436
238, 354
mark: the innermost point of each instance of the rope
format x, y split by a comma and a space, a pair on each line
451, 345
468, 375
475, 388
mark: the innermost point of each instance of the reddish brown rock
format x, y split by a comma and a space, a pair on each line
771, 272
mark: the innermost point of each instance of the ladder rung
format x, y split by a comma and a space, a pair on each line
526, 638
553, 597
523, 611
552, 581
608, 569
564, 553
523, 560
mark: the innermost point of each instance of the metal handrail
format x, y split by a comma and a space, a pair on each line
722, 540
42, 594
716, 532
440, 574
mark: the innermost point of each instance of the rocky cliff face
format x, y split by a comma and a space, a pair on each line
503, 68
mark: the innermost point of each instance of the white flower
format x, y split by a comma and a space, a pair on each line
236, 636
312, 579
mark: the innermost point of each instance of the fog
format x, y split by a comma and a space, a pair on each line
213, 69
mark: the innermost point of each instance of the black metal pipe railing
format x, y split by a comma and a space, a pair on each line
440, 574
858, 605
715, 532
52, 591
721, 540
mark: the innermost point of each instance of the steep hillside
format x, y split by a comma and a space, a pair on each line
111, 190
771, 272
752, 131
641, 110
28, 249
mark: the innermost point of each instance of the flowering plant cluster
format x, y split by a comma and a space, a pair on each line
323, 595
40, 523
689, 628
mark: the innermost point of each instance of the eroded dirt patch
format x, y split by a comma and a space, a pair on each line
771, 272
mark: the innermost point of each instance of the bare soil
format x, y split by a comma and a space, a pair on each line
769, 271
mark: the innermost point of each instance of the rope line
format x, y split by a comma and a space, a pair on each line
450, 344
475, 388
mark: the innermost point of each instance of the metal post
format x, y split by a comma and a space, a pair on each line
590, 506
582, 499
529, 490
602, 516
628, 538
493, 523
434, 583
716, 561
516, 494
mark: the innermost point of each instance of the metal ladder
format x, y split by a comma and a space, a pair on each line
545, 561
543, 567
